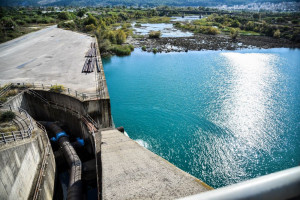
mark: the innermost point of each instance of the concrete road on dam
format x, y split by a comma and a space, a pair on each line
49, 56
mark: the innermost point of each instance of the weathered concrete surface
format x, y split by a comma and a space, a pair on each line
49, 56
20, 163
129, 171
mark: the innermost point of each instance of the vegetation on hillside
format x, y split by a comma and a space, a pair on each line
128, 2
112, 25
273, 25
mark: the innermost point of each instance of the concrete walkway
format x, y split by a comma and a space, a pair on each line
129, 171
48, 56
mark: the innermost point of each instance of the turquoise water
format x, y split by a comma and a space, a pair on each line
222, 116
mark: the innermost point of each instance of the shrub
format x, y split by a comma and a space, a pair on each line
104, 45
235, 23
131, 47
112, 37
8, 128
120, 36
20, 22
8, 23
234, 33
81, 12
144, 48
154, 50
12, 93
90, 20
276, 34
138, 25
7, 116
154, 34
64, 16
90, 27
3, 99
57, 88
67, 25
122, 50
207, 30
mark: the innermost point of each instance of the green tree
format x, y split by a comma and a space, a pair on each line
234, 33
90, 27
120, 36
64, 16
8, 24
250, 26
90, 20
81, 12
235, 24
256, 16
111, 36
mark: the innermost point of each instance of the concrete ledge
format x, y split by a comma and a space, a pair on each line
129, 171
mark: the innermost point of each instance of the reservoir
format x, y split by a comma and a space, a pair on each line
222, 116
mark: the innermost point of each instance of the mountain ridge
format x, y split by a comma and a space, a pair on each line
131, 2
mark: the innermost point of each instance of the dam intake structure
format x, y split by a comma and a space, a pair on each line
75, 182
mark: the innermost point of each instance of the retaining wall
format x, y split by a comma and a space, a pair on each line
20, 165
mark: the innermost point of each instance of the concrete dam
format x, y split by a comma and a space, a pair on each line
65, 145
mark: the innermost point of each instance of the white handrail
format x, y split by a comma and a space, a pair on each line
280, 185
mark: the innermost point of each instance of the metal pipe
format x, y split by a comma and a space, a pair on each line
74, 162
280, 185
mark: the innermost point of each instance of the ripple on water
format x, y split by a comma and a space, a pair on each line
223, 117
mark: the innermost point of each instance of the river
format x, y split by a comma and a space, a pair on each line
222, 116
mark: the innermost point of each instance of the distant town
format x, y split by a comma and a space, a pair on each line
266, 6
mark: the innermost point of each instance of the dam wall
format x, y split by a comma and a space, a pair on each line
20, 166
50, 106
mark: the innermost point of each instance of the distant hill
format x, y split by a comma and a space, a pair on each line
130, 2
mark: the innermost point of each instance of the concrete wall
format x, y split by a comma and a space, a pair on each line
99, 110
20, 165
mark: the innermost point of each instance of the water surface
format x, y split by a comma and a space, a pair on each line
222, 116
167, 30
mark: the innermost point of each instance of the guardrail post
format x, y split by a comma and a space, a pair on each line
22, 135
43, 86
69, 90
14, 135
3, 138
33, 85
76, 93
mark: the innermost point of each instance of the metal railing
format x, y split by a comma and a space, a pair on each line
18, 135
5, 89
68, 91
280, 185
44, 163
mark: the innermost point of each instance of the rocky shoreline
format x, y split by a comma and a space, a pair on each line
210, 42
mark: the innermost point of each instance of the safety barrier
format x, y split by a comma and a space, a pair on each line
18, 135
